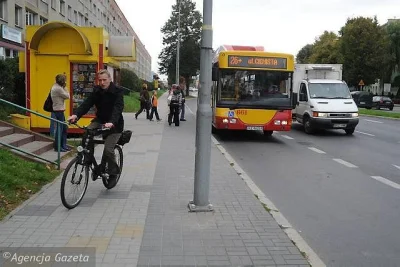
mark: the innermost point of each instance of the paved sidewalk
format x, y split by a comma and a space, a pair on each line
144, 221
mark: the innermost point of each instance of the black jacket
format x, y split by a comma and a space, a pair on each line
109, 106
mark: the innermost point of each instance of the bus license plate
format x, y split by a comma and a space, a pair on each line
339, 125
255, 128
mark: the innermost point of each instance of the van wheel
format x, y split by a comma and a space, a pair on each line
350, 131
307, 126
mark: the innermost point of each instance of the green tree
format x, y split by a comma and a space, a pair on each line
130, 80
325, 50
190, 36
363, 46
303, 56
393, 31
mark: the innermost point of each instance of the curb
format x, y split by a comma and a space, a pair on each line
298, 241
311, 256
381, 117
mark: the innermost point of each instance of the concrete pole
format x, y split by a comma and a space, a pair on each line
178, 47
203, 124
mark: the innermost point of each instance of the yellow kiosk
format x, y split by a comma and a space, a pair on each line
79, 52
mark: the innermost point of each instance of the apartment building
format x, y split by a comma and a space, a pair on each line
16, 14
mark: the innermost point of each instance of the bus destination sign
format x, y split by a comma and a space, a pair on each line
257, 62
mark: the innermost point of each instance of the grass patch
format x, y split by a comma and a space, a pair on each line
379, 113
20, 179
132, 103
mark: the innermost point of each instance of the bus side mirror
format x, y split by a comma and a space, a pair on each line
294, 100
214, 74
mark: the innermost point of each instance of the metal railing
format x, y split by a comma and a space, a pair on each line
58, 123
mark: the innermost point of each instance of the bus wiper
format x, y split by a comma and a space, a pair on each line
235, 106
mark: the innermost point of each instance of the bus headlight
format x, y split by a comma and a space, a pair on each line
225, 121
284, 123
233, 121
277, 122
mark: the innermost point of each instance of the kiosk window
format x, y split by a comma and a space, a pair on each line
83, 81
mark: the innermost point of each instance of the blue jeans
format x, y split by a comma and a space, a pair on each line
52, 125
59, 115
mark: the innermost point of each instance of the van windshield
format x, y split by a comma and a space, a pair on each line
329, 90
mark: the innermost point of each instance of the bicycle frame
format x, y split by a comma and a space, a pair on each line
86, 149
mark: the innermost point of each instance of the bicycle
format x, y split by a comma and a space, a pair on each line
86, 159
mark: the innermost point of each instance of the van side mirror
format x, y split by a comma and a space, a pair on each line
214, 74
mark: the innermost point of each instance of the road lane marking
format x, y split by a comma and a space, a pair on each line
287, 137
398, 167
364, 133
345, 163
316, 150
373, 121
386, 181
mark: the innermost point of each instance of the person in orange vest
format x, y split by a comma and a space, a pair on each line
154, 105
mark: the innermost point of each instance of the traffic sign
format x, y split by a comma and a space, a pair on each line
361, 83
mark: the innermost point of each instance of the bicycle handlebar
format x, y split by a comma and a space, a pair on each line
86, 128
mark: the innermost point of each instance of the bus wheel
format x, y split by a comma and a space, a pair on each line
268, 133
213, 130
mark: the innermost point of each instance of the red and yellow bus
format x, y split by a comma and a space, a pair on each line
252, 89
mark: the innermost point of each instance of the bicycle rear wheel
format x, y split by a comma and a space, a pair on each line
119, 157
79, 179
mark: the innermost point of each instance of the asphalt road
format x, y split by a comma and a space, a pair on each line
341, 192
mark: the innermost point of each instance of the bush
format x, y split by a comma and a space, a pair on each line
12, 82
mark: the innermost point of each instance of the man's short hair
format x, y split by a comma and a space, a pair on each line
104, 71
61, 79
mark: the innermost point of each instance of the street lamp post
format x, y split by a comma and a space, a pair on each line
203, 122
178, 43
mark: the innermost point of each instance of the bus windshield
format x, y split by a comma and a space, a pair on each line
254, 87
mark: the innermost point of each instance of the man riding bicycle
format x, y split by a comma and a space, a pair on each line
109, 102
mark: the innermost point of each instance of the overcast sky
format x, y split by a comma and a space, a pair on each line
278, 25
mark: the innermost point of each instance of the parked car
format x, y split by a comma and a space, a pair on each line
362, 99
382, 102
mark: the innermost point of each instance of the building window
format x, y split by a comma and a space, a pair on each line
62, 7
18, 16
76, 17
3, 9
53, 4
69, 13
43, 20
30, 17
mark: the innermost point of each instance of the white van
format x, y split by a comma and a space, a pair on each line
323, 99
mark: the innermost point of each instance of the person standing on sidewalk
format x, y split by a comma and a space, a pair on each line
154, 105
59, 93
182, 87
144, 102
174, 102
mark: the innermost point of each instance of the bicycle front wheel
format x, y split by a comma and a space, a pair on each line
75, 176
119, 157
